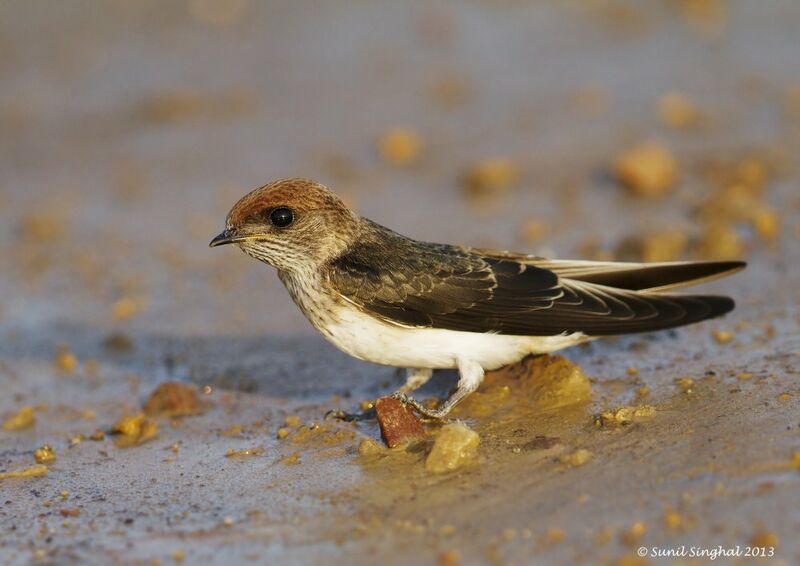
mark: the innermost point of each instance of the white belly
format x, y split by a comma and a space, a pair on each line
370, 339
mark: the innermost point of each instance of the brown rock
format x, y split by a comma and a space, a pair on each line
173, 399
399, 425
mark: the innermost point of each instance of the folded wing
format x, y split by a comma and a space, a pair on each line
435, 286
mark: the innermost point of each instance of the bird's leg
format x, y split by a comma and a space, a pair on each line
415, 378
471, 376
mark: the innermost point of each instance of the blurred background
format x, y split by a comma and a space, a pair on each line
129, 129
599, 129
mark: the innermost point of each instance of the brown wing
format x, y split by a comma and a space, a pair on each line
437, 286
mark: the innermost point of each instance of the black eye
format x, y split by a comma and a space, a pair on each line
281, 217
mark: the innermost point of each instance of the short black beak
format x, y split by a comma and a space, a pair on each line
226, 237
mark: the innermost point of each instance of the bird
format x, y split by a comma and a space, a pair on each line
389, 299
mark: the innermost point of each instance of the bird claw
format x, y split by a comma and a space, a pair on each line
433, 414
428, 414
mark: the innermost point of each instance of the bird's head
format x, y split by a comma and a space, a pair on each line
291, 224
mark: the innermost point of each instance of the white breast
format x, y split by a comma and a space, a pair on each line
374, 340
371, 339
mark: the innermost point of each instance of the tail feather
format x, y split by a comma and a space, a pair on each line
654, 312
640, 287
650, 277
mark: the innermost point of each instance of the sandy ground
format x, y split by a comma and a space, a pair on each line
128, 129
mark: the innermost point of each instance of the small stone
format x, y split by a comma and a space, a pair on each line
22, 419
399, 425
722, 336
401, 146
672, 520
626, 415
577, 458
490, 178
244, 452
449, 558
292, 459
555, 535
764, 539
125, 308
634, 534
455, 446
292, 421
42, 228
676, 110
97, 435
65, 360
173, 399
648, 170
368, 447
685, 384
766, 222
45, 454
134, 430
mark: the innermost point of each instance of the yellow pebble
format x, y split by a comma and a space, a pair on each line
22, 419
66, 360
45, 455
401, 146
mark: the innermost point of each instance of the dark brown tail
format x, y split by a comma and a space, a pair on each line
622, 298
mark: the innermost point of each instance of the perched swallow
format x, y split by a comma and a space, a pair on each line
392, 300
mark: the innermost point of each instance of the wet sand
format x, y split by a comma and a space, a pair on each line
130, 128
